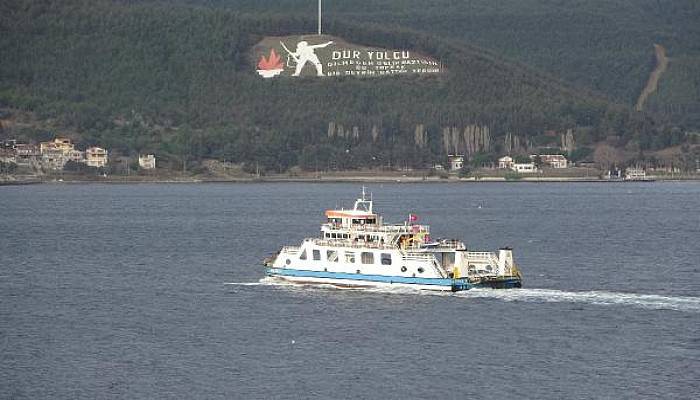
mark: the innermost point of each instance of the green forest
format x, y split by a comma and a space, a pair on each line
177, 78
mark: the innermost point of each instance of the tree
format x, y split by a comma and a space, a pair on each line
605, 156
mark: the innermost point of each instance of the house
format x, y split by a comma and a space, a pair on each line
505, 162
147, 161
635, 174
456, 161
26, 154
524, 168
7, 155
76, 156
552, 160
9, 144
59, 144
96, 157
56, 153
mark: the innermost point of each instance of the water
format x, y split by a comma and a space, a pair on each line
155, 291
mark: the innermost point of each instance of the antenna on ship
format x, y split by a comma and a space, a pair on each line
319, 17
363, 193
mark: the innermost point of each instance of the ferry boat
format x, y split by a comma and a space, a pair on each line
357, 249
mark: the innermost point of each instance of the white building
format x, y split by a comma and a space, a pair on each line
96, 157
635, 174
76, 156
552, 160
147, 161
524, 168
456, 161
56, 153
505, 162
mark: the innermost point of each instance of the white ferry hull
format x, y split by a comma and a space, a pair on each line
372, 281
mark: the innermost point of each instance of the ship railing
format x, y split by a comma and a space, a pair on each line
489, 258
353, 244
291, 250
374, 228
484, 256
418, 256
457, 245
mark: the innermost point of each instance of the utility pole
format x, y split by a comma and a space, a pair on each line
319, 17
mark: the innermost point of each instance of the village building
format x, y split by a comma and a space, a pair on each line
76, 156
635, 174
552, 160
59, 144
56, 153
96, 157
9, 144
524, 168
147, 161
456, 161
505, 162
26, 154
7, 155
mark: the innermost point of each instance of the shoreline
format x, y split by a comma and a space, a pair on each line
4, 181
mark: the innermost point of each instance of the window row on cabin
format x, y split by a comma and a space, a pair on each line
366, 257
368, 238
368, 221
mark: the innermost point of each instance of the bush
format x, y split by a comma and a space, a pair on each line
7, 167
80, 168
513, 176
465, 171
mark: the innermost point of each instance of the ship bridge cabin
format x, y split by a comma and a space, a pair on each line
360, 223
361, 226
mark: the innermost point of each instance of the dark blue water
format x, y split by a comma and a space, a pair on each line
152, 291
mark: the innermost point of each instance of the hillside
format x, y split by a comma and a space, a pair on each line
179, 81
602, 45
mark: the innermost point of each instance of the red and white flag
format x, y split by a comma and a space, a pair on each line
412, 218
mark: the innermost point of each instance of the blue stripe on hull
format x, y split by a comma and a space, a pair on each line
453, 284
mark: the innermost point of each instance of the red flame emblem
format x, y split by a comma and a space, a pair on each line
273, 61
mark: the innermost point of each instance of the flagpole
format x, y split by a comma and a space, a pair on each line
319, 17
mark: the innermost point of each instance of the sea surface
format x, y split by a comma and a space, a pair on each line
156, 291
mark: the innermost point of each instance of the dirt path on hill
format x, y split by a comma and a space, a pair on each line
652, 83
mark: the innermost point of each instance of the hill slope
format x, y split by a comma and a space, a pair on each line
602, 45
179, 80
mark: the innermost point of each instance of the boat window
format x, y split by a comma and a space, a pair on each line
350, 257
303, 255
367, 257
345, 236
333, 235
332, 255
386, 258
420, 270
317, 255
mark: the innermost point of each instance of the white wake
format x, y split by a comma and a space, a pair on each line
648, 301
651, 301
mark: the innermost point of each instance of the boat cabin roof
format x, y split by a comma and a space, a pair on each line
361, 210
350, 214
